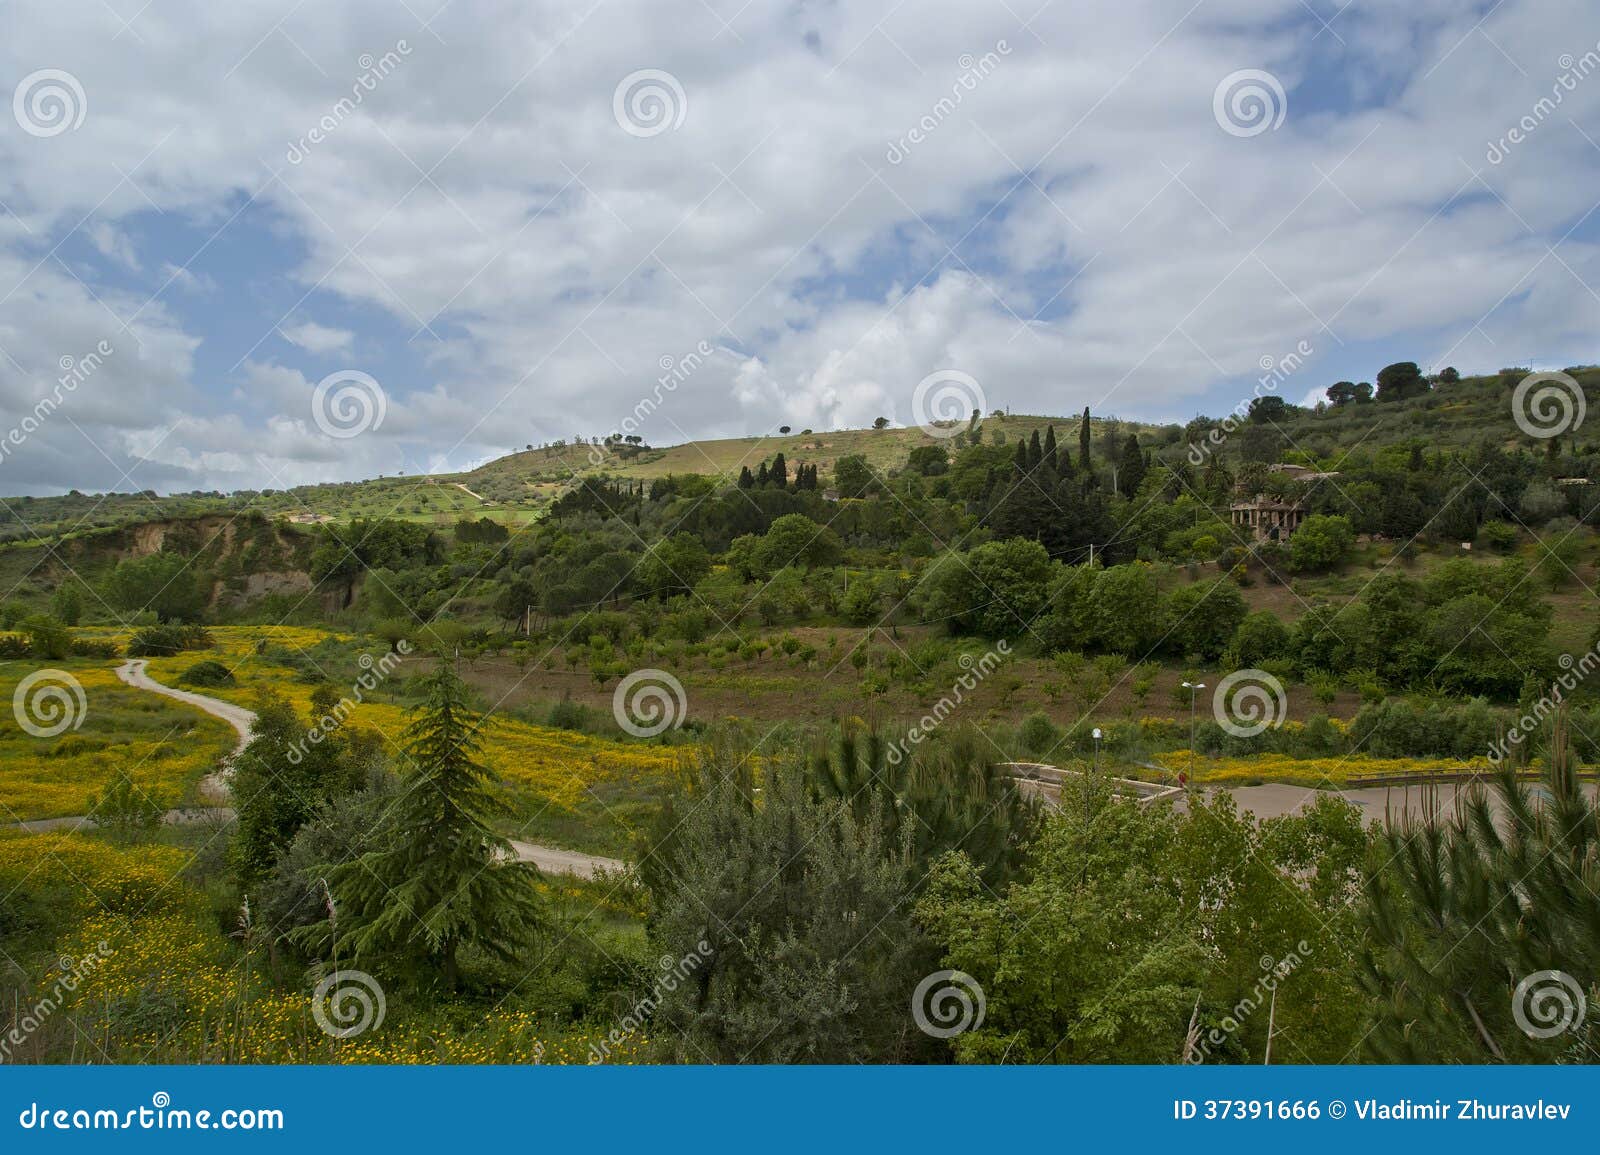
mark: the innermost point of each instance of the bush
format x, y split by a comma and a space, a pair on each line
94, 648
1038, 735
207, 673
165, 641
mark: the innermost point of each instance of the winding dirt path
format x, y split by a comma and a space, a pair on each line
214, 787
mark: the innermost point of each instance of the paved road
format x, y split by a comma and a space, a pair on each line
214, 787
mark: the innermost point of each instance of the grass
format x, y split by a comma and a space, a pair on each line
165, 746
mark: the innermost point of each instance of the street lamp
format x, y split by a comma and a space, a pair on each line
1193, 688
1094, 777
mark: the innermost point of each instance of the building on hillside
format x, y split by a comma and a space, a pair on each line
1266, 518
1300, 472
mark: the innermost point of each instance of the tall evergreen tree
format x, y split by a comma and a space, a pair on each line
1084, 461
779, 475
746, 478
1050, 448
441, 879
1035, 452
1131, 468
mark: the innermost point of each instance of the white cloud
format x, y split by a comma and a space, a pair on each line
1077, 230
319, 339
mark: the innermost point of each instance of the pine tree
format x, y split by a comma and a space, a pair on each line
442, 879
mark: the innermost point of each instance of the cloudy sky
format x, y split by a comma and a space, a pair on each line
509, 216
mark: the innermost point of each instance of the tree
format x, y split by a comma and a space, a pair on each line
162, 583
67, 604
1341, 393
929, 460
125, 809
1051, 454
789, 916
1084, 443
996, 590
1471, 906
783, 429
672, 565
1269, 410
778, 475
1204, 617
439, 880
1400, 381
881, 423
794, 539
853, 475
1131, 467
1449, 375
1321, 542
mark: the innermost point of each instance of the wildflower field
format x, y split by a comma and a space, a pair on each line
165, 746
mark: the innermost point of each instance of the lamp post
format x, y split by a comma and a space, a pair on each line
1087, 786
1193, 688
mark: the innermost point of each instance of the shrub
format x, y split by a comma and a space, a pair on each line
207, 673
94, 648
1038, 735
165, 641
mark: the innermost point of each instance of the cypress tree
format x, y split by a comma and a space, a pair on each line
746, 478
1131, 468
1050, 449
1035, 453
780, 473
1083, 444
442, 879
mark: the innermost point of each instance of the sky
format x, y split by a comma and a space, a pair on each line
269, 243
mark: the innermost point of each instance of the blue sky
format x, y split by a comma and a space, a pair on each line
507, 239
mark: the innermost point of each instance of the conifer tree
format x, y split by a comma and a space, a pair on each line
1131, 468
1035, 453
1050, 448
1083, 444
441, 879
779, 476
